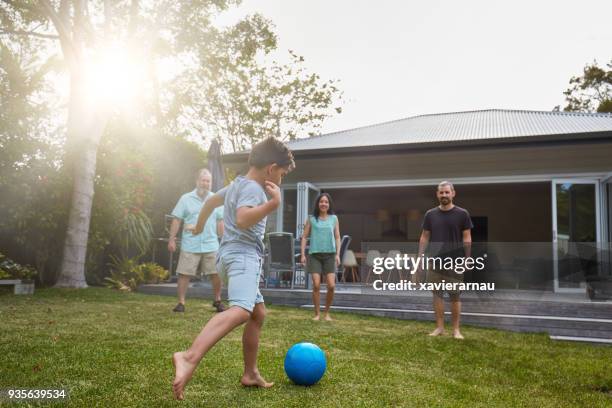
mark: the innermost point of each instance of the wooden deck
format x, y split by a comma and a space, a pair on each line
571, 316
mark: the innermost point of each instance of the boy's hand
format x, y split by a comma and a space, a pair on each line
274, 192
193, 229
303, 259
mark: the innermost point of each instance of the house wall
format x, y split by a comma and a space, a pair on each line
443, 164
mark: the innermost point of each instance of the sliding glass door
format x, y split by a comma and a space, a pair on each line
576, 231
306, 195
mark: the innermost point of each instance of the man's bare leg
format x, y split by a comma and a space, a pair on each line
438, 304
316, 294
216, 284
456, 315
185, 362
250, 347
181, 287
331, 288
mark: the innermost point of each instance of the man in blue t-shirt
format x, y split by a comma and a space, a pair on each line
198, 252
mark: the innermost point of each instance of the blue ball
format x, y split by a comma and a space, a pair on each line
305, 363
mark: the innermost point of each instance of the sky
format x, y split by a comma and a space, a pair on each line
396, 59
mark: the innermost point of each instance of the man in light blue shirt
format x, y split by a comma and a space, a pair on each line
197, 251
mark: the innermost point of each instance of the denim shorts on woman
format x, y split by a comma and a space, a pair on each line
243, 269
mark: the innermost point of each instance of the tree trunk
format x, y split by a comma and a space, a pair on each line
86, 125
72, 272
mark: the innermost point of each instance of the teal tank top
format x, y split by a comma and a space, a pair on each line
322, 239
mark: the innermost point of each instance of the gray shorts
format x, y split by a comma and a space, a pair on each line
322, 263
243, 270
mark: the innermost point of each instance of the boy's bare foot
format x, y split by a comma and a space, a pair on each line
317, 317
328, 318
183, 372
255, 380
457, 334
437, 332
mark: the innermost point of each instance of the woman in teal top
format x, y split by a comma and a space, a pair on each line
324, 251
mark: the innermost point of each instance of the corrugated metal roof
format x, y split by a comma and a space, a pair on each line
461, 126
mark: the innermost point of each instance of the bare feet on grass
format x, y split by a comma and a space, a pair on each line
437, 332
316, 318
457, 335
255, 380
328, 318
183, 372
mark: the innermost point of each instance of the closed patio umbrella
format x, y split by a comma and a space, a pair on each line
215, 165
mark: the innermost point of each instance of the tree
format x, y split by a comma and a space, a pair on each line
83, 33
591, 92
241, 102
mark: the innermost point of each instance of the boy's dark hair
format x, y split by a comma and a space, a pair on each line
271, 151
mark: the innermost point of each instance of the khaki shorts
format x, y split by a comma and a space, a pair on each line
190, 262
437, 276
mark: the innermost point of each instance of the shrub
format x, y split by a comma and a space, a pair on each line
10, 269
126, 274
152, 272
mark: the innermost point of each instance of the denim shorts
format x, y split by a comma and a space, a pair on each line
243, 270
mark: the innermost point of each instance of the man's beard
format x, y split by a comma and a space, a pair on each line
202, 191
445, 201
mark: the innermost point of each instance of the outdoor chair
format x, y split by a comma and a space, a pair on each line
280, 260
349, 262
369, 261
344, 244
392, 254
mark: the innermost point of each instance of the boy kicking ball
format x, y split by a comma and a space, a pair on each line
240, 258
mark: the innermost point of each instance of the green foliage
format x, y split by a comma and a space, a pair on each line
591, 92
10, 269
124, 275
127, 274
120, 224
153, 273
174, 163
32, 186
240, 101
225, 88
136, 231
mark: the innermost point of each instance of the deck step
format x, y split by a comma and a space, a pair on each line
583, 339
575, 319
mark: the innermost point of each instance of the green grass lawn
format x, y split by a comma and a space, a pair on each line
114, 349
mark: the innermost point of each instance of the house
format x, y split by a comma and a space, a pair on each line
537, 185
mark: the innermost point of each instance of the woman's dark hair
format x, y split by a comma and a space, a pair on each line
316, 211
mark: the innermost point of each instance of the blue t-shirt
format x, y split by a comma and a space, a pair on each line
243, 192
188, 209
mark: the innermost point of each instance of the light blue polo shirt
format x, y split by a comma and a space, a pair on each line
188, 209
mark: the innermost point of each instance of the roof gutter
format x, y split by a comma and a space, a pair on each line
567, 139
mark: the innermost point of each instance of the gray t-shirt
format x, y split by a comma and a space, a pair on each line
447, 230
242, 192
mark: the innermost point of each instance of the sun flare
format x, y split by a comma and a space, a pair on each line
114, 76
